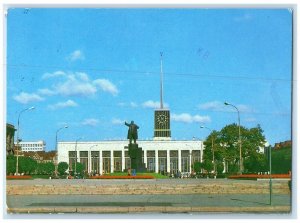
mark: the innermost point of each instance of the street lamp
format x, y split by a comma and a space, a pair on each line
75, 173
56, 147
212, 146
18, 140
240, 141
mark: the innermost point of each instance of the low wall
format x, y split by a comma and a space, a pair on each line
201, 187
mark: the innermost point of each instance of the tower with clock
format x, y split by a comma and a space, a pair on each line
162, 124
162, 130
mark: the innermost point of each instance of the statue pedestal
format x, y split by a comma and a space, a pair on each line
136, 153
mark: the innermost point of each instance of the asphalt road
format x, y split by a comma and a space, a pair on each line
237, 200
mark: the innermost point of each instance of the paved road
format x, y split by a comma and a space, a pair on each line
258, 203
23, 201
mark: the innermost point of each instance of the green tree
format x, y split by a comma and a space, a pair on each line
10, 164
45, 168
62, 168
27, 165
79, 168
208, 165
197, 167
226, 146
282, 160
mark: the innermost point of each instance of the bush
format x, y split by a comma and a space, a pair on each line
62, 168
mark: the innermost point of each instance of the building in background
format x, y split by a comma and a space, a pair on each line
280, 145
159, 156
41, 156
33, 146
10, 135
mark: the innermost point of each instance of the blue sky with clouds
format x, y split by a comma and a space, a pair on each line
92, 69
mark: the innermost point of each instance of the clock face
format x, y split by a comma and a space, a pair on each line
161, 119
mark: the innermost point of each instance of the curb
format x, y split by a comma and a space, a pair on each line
150, 209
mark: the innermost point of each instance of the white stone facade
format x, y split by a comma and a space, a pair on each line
159, 156
34, 146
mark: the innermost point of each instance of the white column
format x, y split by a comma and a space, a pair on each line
168, 161
156, 161
111, 161
201, 152
145, 158
100, 163
89, 161
190, 154
123, 159
179, 160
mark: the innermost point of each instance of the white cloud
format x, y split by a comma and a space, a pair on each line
76, 55
68, 103
106, 86
46, 91
117, 121
133, 104
250, 120
90, 122
54, 74
25, 98
130, 104
187, 118
244, 108
76, 85
213, 105
220, 106
122, 104
153, 104
82, 76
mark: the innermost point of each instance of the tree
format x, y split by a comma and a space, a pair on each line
10, 164
282, 160
226, 147
45, 168
27, 165
208, 165
62, 168
197, 167
79, 168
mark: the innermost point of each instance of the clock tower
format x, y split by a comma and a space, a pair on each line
162, 130
162, 124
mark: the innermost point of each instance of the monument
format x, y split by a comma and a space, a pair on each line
134, 151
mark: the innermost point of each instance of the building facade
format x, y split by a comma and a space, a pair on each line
159, 156
10, 134
34, 146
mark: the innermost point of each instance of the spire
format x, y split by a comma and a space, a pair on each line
161, 82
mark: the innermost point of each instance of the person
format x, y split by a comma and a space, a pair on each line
132, 132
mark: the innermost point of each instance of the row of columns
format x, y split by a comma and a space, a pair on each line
145, 160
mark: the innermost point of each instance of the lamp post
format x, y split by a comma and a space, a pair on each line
56, 157
18, 140
240, 141
75, 172
212, 146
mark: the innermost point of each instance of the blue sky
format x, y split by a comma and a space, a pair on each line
92, 69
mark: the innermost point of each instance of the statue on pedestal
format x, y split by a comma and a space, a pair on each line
132, 132
134, 151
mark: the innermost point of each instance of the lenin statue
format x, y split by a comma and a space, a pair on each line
132, 132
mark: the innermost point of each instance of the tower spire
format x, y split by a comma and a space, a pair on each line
161, 82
